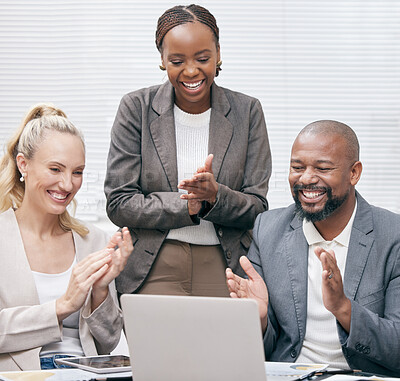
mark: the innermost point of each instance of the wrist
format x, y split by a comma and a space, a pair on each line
99, 295
343, 314
62, 309
264, 323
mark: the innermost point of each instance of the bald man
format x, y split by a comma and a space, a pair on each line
326, 269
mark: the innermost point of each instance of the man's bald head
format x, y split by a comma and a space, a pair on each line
330, 128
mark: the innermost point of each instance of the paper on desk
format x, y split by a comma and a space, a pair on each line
47, 375
69, 374
291, 369
345, 377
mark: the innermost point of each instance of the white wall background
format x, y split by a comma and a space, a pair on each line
304, 59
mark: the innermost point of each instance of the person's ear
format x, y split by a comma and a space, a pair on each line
162, 66
22, 163
355, 172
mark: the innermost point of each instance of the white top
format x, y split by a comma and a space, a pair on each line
51, 287
192, 131
321, 342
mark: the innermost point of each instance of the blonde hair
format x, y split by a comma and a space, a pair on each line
41, 119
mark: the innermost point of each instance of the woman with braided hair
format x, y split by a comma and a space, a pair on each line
188, 166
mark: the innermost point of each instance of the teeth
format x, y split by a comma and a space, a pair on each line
59, 196
192, 86
312, 194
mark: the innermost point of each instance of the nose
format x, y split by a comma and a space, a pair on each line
191, 69
308, 177
66, 182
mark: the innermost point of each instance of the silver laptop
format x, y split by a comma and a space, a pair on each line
183, 338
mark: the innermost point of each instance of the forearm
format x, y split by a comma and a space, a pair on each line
161, 210
105, 323
373, 338
343, 315
27, 327
234, 208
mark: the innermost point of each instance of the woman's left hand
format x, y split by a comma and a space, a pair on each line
121, 243
202, 186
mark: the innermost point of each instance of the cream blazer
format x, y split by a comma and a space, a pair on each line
25, 325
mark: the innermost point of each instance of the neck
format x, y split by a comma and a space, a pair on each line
332, 226
194, 107
41, 224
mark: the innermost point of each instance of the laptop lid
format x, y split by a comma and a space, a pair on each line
182, 338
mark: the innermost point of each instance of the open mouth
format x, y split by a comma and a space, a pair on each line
193, 85
58, 196
312, 195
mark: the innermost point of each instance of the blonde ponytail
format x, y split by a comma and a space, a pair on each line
40, 119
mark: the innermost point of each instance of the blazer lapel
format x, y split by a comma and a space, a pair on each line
296, 251
162, 130
359, 247
24, 290
221, 129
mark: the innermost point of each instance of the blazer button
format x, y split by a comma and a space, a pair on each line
220, 232
293, 353
228, 254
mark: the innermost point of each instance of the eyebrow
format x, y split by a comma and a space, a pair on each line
64, 166
183, 55
318, 161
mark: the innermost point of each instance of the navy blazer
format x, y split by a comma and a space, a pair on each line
279, 253
142, 176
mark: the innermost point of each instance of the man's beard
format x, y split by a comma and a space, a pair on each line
331, 204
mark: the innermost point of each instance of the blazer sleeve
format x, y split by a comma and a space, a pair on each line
271, 333
239, 208
127, 205
105, 322
27, 327
375, 339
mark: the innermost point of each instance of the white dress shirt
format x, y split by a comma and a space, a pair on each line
321, 342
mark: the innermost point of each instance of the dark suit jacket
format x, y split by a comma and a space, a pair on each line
371, 281
141, 181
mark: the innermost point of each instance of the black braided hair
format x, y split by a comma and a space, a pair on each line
181, 14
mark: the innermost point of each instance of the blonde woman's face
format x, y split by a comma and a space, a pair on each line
55, 173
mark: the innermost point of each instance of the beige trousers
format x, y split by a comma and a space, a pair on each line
186, 269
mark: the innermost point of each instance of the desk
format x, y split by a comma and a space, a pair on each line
81, 375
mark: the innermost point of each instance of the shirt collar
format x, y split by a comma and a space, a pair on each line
313, 236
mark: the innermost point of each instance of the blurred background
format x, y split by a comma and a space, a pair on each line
305, 60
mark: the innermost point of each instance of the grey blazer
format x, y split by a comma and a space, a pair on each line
25, 325
141, 181
371, 281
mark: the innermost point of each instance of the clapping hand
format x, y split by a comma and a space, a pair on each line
95, 272
253, 288
202, 186
333, 295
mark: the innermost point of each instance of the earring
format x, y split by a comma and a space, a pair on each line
218, 69
22, 178
162, 67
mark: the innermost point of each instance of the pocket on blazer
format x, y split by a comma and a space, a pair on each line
245, 240
372, 298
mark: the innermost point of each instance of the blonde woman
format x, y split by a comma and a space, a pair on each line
57, 296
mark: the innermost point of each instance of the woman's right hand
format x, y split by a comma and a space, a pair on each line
84, 274
95, 272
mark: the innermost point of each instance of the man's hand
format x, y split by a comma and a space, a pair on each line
252, 288
333, 295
